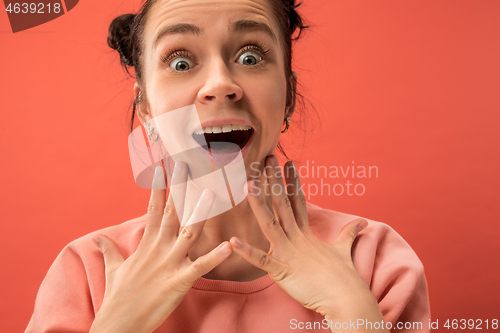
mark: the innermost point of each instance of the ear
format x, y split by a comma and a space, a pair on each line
140, 108
291, 100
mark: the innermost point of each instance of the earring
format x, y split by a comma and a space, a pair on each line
139, 98
287, 125
151, 132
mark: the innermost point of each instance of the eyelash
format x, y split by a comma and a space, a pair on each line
260, 47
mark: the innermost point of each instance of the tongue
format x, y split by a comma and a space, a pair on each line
238, 137
223, 147
224, 143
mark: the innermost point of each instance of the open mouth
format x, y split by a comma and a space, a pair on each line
223, 139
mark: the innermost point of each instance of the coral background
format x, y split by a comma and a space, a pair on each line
409, 86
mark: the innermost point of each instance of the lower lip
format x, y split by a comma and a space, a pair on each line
228, 159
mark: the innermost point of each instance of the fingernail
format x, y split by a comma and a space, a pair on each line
158, 181
178, 167
251, 187
362, 225
225, 249
274, 161
207, 195
97, 241
158, 172
238, 243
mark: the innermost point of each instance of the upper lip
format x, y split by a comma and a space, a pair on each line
220, 122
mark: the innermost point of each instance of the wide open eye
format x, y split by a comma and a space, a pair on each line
250, 58
179, 60
254, 54
181, 64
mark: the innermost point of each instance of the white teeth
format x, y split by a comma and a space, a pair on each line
222, 129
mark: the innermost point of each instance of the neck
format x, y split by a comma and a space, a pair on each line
240, 221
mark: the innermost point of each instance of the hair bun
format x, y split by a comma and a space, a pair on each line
294, 19
119, 37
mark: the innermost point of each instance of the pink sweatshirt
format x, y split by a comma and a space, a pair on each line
73, 289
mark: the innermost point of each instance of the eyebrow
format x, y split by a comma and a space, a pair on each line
238, 26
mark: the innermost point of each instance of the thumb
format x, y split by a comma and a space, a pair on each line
350, 231
204, 264
112, 256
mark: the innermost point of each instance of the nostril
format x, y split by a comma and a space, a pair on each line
232, 95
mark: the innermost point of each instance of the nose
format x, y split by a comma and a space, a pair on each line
220, 86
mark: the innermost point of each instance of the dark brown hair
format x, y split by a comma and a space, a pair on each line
126, 36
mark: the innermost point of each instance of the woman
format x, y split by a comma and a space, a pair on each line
272, 263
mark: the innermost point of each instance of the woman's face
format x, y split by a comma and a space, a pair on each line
231, 69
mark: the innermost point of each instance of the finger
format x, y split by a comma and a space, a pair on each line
280, 200
268, 222
155, 207
178, 189
349, 232
296, 196
192, 231
110, 251
204, 264
170, 221
260, 259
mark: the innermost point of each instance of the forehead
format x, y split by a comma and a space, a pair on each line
168, 15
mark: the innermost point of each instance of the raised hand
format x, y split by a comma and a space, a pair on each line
318, 275
143, 290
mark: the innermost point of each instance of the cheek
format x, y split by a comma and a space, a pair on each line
163, 100
165, 95
269, 101
269, 96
